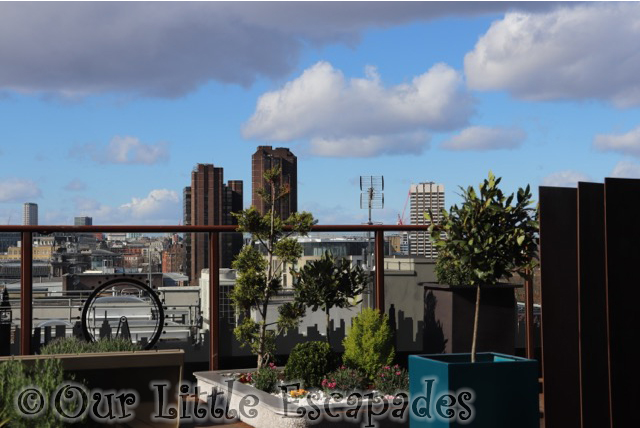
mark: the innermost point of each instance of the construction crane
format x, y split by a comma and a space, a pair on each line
401, 217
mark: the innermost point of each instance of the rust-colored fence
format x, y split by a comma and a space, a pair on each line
590, 249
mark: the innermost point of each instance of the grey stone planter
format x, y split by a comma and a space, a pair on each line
267, 411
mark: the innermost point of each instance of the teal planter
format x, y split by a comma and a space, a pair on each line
497, 391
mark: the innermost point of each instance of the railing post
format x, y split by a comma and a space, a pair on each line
528, 315
214, 291
26, 283
379, 259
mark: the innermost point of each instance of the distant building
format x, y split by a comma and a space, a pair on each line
266, 158
83, 221
30, 214
173, 259
424, 197
212, 203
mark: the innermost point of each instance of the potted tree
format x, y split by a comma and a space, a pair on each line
487, 239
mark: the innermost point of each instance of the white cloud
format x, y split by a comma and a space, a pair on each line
18, 190
124, 150
481, 138
75, 185
628, 144
565, 179
588, 51
322, 105
170, 48
626, 169
370, 146
160, 206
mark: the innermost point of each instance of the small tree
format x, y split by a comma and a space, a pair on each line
486, 239
369, 344
259, 278
328, 283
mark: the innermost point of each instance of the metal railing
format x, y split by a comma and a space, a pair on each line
26, 322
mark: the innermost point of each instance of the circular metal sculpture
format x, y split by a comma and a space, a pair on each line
126, 308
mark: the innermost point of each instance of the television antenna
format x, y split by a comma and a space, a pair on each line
371, 197
371, 193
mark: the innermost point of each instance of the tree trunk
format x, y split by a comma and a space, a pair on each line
328, 329
475, 326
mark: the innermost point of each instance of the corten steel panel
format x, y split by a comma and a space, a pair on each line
559, 298
622, 205
594, 384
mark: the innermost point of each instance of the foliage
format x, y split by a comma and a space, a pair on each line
259, 279
389, 380
344, 380
15, 376
328, 283
368, 345
266, 378
309, 362
72, 345
486, 238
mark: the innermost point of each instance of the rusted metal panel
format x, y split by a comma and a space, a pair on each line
622, 237
559, 297
593, 363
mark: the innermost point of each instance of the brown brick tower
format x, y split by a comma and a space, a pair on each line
265, 158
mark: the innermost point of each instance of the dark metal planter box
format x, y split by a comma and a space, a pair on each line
449, 312
504, 391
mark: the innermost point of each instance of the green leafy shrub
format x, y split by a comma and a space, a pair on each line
266, 378
368, 345
309, 362
45, 374
72, 345
389, 380
344, 380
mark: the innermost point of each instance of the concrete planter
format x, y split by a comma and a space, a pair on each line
267, 411
127, 371
449, 312
501, 391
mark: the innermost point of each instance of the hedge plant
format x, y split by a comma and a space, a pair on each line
309, 362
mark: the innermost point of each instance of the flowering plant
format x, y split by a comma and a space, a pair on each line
343, 380
298, 393
246, 378
266, 378
391, 379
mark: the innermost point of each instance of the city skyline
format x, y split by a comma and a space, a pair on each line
104, 112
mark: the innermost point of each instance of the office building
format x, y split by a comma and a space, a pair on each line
424, 197
211, 203
30, 214
83, 221
266, 158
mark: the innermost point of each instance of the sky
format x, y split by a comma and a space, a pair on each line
105, 108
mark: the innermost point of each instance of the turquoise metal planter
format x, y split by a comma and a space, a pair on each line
497, 391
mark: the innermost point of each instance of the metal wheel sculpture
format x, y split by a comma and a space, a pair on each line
126, 308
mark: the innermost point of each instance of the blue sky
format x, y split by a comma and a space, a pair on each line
106, 107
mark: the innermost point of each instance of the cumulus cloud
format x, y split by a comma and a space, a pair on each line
626, 169
370, 146
75, 185
160, 206
481, 138
628, 144
170, 48
361, 115
124, 150
565, 179
18, 190
579, 52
